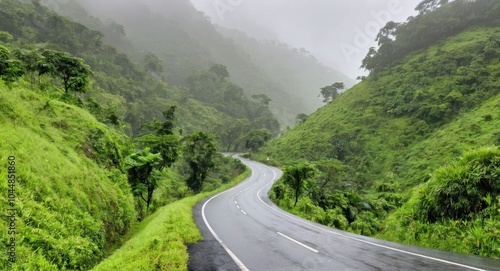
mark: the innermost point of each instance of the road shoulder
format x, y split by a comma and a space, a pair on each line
208, 255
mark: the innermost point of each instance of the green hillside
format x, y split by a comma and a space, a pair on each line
187, 42
70, 208
378, 142
129, 94
100, 143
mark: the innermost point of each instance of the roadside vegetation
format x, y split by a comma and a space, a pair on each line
410, 153
159, 242
101, 146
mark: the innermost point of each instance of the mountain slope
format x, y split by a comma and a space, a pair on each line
70, 209
72, 199
124, 90
187, 42
380, 141
390, 112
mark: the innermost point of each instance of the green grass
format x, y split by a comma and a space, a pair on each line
159, 242
70, 208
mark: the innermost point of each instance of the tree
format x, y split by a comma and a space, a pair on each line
71, 70
256, 139
14, 70
369, 63
153, 64
301, 118
230, 133
10, 70
427, 6
330, 93
263, 99
4, 58
163, 140
6, 36
141, 166
220, 70
31, 60
297, 177
199, 153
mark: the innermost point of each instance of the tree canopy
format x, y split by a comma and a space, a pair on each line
297, 176
331, 92
436, 21
199, 153
220, 70
74, 74
141, 166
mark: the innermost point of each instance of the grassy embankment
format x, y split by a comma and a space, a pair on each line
70, 208
159, 242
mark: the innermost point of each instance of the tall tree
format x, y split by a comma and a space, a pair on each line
262, 98
256, 139
330, 93
297, 177
199, 153
74, 74
301, 118
4, 59
32, 60
430, 5
141, 166
163, 140
220, 70
10, 70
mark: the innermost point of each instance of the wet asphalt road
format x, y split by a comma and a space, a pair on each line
256, 235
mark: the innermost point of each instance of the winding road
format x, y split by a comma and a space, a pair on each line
259, 236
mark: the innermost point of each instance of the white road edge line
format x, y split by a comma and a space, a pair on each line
243, 212
360, 240
297, 242
238, 262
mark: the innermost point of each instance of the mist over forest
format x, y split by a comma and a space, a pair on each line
187, 42
338, 33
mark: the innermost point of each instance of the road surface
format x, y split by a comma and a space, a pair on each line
258, 236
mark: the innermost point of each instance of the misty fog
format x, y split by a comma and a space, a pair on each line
338, 33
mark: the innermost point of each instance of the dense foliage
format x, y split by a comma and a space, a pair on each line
458, 207
73, 202
436, 21
186, 42
66, 100
378, 142
125, 93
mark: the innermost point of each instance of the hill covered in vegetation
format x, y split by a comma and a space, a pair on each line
400, 155
93, 143
130, 93
186, 42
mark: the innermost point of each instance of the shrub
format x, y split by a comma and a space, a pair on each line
459, 190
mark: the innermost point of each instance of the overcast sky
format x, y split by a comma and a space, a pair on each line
337, 32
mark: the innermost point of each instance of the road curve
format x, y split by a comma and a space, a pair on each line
259, 236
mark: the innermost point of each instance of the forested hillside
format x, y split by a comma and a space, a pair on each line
186, 42
131, 94
93, 143
400, 155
